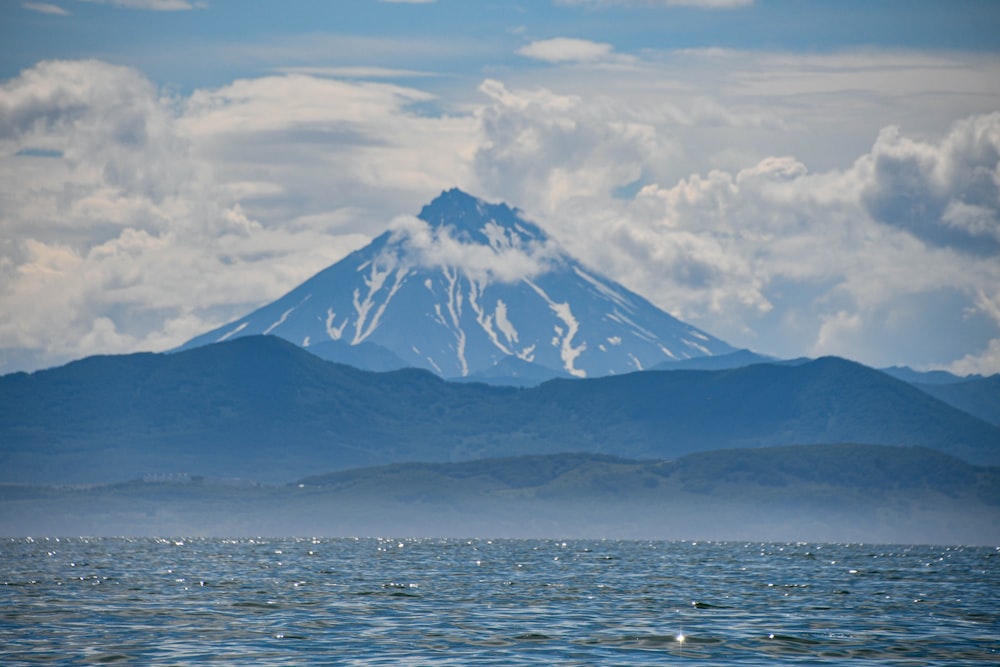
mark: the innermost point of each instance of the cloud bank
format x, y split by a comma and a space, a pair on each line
134, 218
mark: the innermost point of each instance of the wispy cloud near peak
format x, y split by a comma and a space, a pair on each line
45, 8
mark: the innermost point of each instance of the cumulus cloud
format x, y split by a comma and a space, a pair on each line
542, 149
985, 362
118, 235
884, 260
808, 261
115, 138
947, 194
875, 247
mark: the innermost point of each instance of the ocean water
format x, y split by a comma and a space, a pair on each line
494, 602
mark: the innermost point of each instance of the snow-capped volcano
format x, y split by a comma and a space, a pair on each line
468, 286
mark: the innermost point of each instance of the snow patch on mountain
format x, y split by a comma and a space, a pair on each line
279, 321
503, 323
335, 333
374, 282
564, 337
230, 334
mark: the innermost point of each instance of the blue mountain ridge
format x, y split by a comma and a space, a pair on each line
264, 409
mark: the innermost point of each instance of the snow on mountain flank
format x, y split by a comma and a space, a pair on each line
504, 324
454, 306
227, 336
374, 283
484, 319
335, 333
281, 320
567, 351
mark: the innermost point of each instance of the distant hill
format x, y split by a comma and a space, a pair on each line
816, 492
907, 374
261, 408
791, 473
821, 401
979, 397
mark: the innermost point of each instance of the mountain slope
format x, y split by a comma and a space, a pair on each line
261, 408
466, 285
979, 397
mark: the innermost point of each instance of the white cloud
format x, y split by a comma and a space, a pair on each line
421, 245
542, 149
126, 239
566, 49
366, 72
948, 194
115, 135
697, 4
152, 5
45, 8
985, 362
324, 145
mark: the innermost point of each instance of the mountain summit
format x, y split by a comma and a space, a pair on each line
467, 288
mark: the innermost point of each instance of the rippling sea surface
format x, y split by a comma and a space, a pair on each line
499, 602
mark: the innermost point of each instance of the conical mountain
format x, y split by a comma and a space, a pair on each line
468, 287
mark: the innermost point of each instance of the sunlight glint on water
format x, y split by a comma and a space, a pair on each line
502, 602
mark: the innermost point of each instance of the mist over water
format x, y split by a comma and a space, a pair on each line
619, 511
505, 602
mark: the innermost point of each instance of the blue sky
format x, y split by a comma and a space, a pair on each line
174, 46
800, 178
